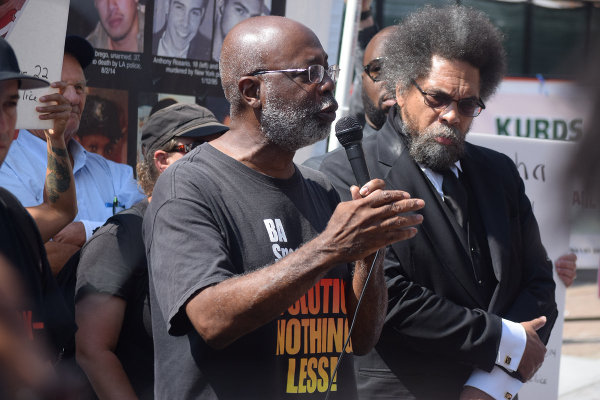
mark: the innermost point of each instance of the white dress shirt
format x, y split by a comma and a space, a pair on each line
98, 181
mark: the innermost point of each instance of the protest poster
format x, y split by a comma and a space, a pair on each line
26, 28
541, 165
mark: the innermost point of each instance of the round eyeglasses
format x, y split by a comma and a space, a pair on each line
316, 72
468, 107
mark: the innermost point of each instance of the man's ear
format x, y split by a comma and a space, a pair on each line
249, 87
160, 160
400, 95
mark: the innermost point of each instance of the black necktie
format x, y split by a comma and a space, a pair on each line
455, 196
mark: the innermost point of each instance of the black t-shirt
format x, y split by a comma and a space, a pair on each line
212, 218
45, 315
113, 262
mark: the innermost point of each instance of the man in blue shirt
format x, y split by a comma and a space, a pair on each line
99, 183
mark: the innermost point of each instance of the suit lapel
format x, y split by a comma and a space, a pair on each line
489, 196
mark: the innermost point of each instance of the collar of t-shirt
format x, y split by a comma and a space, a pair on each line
436, 178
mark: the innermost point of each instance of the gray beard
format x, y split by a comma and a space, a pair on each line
292, 128
427, 152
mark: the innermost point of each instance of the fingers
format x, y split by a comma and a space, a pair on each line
570, 257
60, 107
566, 268
538, 323
566, 275
368, 188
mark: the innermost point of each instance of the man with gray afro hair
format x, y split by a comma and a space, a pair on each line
453, 33
471, 296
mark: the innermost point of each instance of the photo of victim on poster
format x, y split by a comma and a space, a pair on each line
119, 26
186, 43
103, 127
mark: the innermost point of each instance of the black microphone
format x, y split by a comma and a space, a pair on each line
349, 133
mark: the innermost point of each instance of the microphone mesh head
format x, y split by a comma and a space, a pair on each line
348, 130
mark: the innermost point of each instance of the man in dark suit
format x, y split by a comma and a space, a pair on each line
471, 297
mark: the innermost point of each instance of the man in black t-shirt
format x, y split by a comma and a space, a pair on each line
114, 340
252, 285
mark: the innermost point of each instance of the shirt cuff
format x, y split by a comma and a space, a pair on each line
497, 383
90, 227
512, 345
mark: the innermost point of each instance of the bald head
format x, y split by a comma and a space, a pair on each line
376, 47
260, 43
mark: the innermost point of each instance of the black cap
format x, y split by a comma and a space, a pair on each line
178, 120
9, 69
81, 49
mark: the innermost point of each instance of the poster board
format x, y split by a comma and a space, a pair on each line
148, 75
541, 166
28, 33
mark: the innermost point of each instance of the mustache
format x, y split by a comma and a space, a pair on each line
327, 102
446, 132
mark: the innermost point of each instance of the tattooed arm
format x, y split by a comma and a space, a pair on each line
60, 202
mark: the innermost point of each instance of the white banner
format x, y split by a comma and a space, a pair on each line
536, 109
541, 166
37, 35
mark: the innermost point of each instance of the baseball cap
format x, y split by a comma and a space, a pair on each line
9, 69
81, 49
178, 120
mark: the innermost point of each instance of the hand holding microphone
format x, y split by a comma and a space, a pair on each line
364, 225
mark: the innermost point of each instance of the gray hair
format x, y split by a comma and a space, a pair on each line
454, 33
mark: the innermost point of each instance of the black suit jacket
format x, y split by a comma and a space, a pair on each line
438, 327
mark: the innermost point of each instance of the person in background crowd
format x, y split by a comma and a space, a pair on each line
162, 103
34, 322
103, 187
121, 26
114, 339
239, 239
472, 295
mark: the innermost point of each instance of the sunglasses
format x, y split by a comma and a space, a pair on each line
468, 107
184, 148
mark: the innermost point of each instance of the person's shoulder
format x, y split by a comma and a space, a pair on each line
9, 199
94, 160
95, 37
335, 162
25, 147
313, 174
485, 154
199, 48
125, 225
317, 180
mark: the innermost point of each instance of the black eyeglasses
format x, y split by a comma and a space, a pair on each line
373, 69
316, 72
184, 148
469, 107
